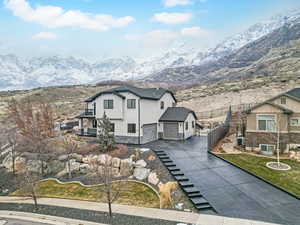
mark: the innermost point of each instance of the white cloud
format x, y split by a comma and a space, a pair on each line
194, 32
172, 18
172, 3
44, 35
54, 17
154, 39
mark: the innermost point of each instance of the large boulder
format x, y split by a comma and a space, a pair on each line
153, 179
116, 162
141, 173
7, 162
62, 158
77, 157
55, 166
140, 163
34, 166
126, 167
105, 159
85, 168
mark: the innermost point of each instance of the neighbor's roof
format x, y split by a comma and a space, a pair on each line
285, 110
145, 93
176, 114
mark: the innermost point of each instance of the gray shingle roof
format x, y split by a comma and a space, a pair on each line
176, 114
285, 110
294, 93
146, 93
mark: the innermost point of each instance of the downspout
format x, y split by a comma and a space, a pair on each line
183, 127
139, 121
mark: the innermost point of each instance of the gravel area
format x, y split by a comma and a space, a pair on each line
89, 215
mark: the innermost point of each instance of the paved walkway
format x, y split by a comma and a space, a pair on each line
171, 215
231, 191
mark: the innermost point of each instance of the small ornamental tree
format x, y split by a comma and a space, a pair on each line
106, 137
70, 146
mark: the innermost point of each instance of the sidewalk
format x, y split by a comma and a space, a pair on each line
170, 215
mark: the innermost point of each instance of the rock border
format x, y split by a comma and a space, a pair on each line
269, 165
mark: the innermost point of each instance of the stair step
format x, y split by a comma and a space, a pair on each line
204, 206
194, 195
161, 154
199, 201
185, 184
190, 190
166, 160
158, 151
169, 164
172, 169
164, 157
177, 173
181, 178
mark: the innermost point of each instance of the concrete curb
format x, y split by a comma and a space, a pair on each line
45, 219
260, 178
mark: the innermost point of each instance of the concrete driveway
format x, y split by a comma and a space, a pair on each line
231, 191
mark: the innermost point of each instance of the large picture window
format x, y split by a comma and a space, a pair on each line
266, 122
108, 104
131, 103
267, 149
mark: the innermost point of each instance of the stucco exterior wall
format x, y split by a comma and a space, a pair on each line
290, 104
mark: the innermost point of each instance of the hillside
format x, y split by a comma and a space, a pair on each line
271, 55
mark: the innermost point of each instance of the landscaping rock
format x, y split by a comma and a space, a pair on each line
144, 149
126, 167
55, 166
19, 162
141, 173
77, 157
140, 163
33, 166
115, 172
63, 158
153, 179
105, 159
84, 168
116, 162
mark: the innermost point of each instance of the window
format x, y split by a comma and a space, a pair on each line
295, 122
112, 127
131, 103
283, 100
266, 122
193, 124
267, 149
186, 125
94, 123
94, 104
108, 104
132, 128
162, 105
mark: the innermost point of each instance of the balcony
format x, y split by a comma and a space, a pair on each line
88, 132
87, 113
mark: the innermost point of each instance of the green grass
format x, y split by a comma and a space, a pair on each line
287, 180
133, 193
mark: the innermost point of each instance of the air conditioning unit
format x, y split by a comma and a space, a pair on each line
240, 140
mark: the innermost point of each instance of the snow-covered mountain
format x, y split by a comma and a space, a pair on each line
18, 73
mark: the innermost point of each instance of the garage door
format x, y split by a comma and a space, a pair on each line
149, 132
171, 131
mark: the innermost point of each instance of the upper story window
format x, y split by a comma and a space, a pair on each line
266, 122
108, 104
131, 103
295, 122
162, 105
186, 125
283, 100
131, 128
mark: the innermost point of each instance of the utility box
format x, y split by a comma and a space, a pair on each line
240, 141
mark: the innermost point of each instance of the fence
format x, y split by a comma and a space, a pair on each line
219, 132
222, 111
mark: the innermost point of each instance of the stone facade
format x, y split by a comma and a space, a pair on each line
127, 140
253, 139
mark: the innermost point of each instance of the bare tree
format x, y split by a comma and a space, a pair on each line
70, 145
34, 121
28, 185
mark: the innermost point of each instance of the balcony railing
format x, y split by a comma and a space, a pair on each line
88, 132
89, 112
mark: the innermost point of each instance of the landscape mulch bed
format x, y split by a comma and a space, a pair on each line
88, 215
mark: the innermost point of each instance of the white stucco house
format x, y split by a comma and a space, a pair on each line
138, 115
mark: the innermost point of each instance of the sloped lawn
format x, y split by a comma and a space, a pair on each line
288, 180
132, 193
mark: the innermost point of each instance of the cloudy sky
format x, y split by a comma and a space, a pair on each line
115, 28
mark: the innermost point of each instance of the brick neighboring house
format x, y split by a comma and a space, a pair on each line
263, 121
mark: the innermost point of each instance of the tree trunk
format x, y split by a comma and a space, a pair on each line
13, 158
69, 169
109, 204
34, 199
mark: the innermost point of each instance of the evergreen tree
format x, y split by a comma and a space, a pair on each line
106, 137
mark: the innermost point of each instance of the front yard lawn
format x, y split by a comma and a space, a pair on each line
133, 193
287, 180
